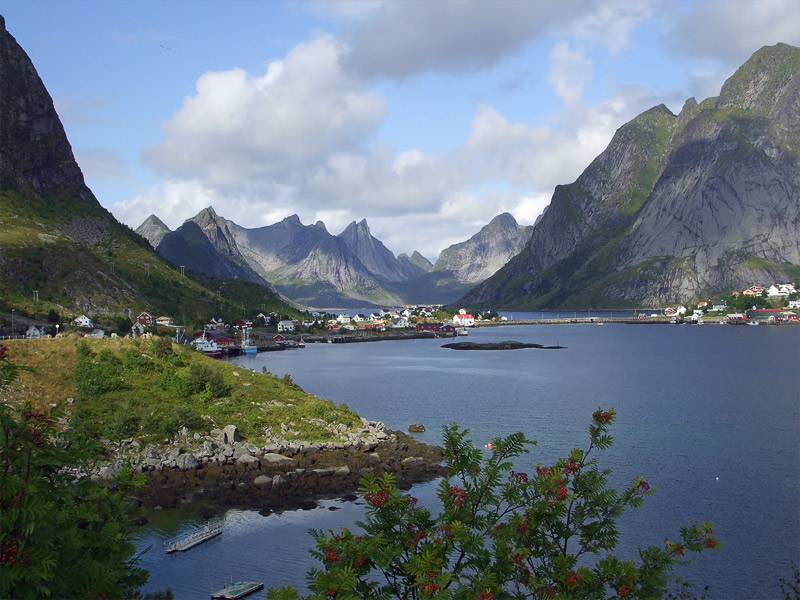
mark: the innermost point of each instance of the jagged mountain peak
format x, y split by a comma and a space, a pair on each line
34, 150
486, 251
153, 230
675, 208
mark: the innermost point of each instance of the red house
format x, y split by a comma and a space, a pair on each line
145, 319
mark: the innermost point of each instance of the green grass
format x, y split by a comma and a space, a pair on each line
149, 389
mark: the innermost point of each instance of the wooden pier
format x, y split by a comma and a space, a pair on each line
185, 542
240, 589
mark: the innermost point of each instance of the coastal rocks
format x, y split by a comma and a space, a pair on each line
242, 475
416, 428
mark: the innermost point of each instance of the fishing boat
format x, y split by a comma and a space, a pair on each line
462, 331
301, 343
208, 347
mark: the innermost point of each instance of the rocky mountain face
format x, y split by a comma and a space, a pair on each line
311, 266
482, 255
676, 207
34, 150
59, 248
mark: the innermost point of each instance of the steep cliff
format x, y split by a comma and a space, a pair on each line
485, 252
60, 249
676, 207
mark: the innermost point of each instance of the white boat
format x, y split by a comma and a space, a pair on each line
462, 331
208, 347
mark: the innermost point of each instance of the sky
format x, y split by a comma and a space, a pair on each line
427, 118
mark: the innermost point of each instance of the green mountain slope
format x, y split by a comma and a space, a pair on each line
676, 207
59, 248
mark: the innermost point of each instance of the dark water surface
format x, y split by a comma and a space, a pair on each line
708, 414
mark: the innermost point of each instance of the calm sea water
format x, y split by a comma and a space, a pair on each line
710, 415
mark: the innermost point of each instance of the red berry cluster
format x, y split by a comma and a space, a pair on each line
521, 477
644, 485
3, 350
377, 499
561, 493
10, 555
458, 495
412, 501
573, 579
601, 416
571, 466
522, 527
430, 587
443, 533
331, 593
360, 561
623, 589
331, 555
485, 595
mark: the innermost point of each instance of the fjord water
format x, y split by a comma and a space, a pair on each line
709, 415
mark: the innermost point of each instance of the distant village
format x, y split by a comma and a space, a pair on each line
778, 303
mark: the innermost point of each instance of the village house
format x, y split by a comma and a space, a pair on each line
463, 319
243, 323
165, 321
83, 321
34, 332
286, 326
400, 323
146, 319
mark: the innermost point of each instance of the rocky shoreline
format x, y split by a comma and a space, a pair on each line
219, 471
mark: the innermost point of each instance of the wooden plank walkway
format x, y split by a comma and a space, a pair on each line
240, 589
182, 543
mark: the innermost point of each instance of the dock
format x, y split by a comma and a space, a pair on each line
240, 589
198, 536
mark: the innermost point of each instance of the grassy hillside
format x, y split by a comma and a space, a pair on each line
59, 251
149, 389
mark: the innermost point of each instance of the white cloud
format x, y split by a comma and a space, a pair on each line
731, 30
400, 39
570, 72
240, 127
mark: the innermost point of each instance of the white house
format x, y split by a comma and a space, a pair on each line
400, 323
165, 321
794, 303
83, 321
286, 326
34, 332
463, 319
342, 319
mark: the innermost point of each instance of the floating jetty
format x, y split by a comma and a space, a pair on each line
240, 589
190, 540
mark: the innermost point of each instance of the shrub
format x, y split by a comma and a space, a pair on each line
52, 514
501, 533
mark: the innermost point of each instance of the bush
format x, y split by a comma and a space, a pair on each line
54, 517
501, 533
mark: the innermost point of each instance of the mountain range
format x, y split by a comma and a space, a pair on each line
313, 267
60, 250
677, 207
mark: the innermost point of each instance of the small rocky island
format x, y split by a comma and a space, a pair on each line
506, 345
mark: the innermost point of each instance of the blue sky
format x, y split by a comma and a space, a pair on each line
427, 118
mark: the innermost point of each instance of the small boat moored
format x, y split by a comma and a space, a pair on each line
240, 589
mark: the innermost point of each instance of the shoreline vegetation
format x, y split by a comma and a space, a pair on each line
206, 433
